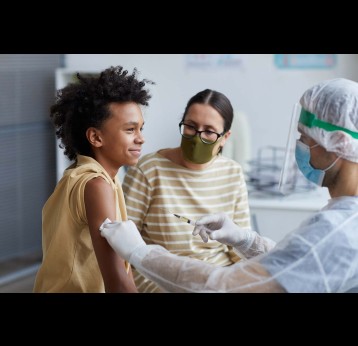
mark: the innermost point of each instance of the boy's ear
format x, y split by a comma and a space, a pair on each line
93, 136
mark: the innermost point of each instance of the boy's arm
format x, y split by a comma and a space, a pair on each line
100, 204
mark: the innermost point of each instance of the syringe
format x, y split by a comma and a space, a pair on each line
185, 219
182, 218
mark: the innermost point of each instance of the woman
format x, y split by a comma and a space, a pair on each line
191, 180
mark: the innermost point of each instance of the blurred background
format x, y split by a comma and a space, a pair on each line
262, 88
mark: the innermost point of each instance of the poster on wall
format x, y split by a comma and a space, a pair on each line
305, 61
213, 60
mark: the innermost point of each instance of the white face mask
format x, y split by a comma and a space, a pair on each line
303, 158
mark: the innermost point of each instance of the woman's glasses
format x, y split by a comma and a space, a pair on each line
207, 137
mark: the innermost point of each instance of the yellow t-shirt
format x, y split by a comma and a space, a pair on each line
69, 262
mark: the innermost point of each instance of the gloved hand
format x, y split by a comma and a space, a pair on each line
221, 228
123, 237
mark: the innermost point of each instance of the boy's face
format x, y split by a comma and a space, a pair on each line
121, 136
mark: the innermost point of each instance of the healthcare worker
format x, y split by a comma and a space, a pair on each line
321, 255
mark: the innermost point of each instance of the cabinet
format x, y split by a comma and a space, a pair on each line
274, 217
63, 77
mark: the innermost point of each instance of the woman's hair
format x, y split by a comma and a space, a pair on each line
216, 100
85, 103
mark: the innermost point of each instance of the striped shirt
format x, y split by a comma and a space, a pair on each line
156, 183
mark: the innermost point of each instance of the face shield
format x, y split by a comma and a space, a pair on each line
291, 178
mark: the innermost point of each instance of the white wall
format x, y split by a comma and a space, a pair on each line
257, 87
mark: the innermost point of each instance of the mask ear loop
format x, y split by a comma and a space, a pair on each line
331, 165
334, 162
220, 150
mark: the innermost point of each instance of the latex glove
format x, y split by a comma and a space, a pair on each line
123, 237
221, 228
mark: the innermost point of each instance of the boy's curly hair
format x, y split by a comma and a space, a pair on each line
84, 104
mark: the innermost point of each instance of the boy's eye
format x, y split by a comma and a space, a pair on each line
134, 129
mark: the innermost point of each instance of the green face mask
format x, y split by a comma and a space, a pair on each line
194, 150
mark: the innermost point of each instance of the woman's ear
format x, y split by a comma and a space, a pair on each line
93, 136
225, 137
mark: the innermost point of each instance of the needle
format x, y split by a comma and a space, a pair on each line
185, 219
181, 218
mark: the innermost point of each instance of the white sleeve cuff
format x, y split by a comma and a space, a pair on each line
139, 254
